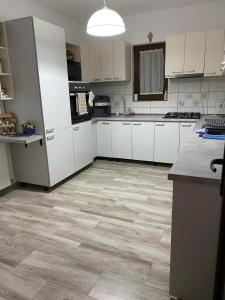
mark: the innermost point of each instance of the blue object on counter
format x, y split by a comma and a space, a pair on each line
213, 136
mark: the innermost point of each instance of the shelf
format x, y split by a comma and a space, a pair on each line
6, 99
20, 139
5, 74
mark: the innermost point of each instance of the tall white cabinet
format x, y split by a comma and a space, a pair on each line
38, 60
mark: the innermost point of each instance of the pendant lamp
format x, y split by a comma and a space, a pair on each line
105, 22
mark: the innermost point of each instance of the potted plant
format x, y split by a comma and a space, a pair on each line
28, 128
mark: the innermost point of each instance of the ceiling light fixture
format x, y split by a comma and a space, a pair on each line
105, 22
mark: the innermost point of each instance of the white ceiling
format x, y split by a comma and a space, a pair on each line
81, 9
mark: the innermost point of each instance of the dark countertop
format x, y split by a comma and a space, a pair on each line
142, 118
193, 163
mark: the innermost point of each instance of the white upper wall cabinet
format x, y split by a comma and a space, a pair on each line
175, 45
95, 63
194, 53
121, 60
214, 52
107, 61
110, 61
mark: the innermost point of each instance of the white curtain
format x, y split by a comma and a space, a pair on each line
151, 72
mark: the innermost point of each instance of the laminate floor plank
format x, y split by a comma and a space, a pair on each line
102, 235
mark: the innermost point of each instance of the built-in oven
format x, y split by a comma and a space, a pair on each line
79, 102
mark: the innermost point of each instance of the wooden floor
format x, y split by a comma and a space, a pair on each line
104, 234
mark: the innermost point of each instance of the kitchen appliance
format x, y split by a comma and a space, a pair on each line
182, 115
219, 290
101, 106
75, 89
215, 126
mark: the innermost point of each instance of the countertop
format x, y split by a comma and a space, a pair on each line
142, 118
193, 163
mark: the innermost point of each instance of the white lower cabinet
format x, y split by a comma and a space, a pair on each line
143, 141
60, 155
83, 144
166, 142
4, 169
121, 140
186, 129
104, 138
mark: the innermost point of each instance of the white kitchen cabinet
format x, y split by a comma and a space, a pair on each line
4, 168
53, 77
107, 61
121, 140
214, 52
60, 155
83, 144
121, 60
186, 129
175, 46
194, 53
104, 138
94, 140
143, 141
84, 57
38, 53
95, 63
166, 142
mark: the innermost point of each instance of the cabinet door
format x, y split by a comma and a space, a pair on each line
104, 138
186, 129
121, 140
53, 78
166, 142
83, 144
60, 155
214, 52
95, 63
94, 140
107, 61
119, 60
85, 67
143, 141
194, 53
4, 168
175, 45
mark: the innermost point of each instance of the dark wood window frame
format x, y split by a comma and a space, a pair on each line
136, 59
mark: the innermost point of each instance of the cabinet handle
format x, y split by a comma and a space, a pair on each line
191, 71
50, 130
117, 78
160, 124
76, 128
49, 138
137, 124
108, 78
186, 125
105, 123
177, 72
96, 79
211, 73
126, 123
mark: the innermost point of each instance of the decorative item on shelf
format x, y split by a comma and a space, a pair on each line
8, 124
4, 95
150, 37
28, 128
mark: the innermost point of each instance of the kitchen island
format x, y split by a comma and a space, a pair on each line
195, 219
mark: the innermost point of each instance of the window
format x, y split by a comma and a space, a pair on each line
149, 71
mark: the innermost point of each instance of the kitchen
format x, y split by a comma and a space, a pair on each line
86, 204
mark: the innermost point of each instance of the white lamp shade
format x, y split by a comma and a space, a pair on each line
105, 22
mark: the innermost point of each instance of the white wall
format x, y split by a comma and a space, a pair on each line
12, 9
203, 95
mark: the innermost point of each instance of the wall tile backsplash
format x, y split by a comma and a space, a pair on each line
199, 94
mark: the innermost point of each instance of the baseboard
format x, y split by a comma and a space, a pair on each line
10, 188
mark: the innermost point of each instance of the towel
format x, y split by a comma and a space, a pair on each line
81, 104
91, 98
